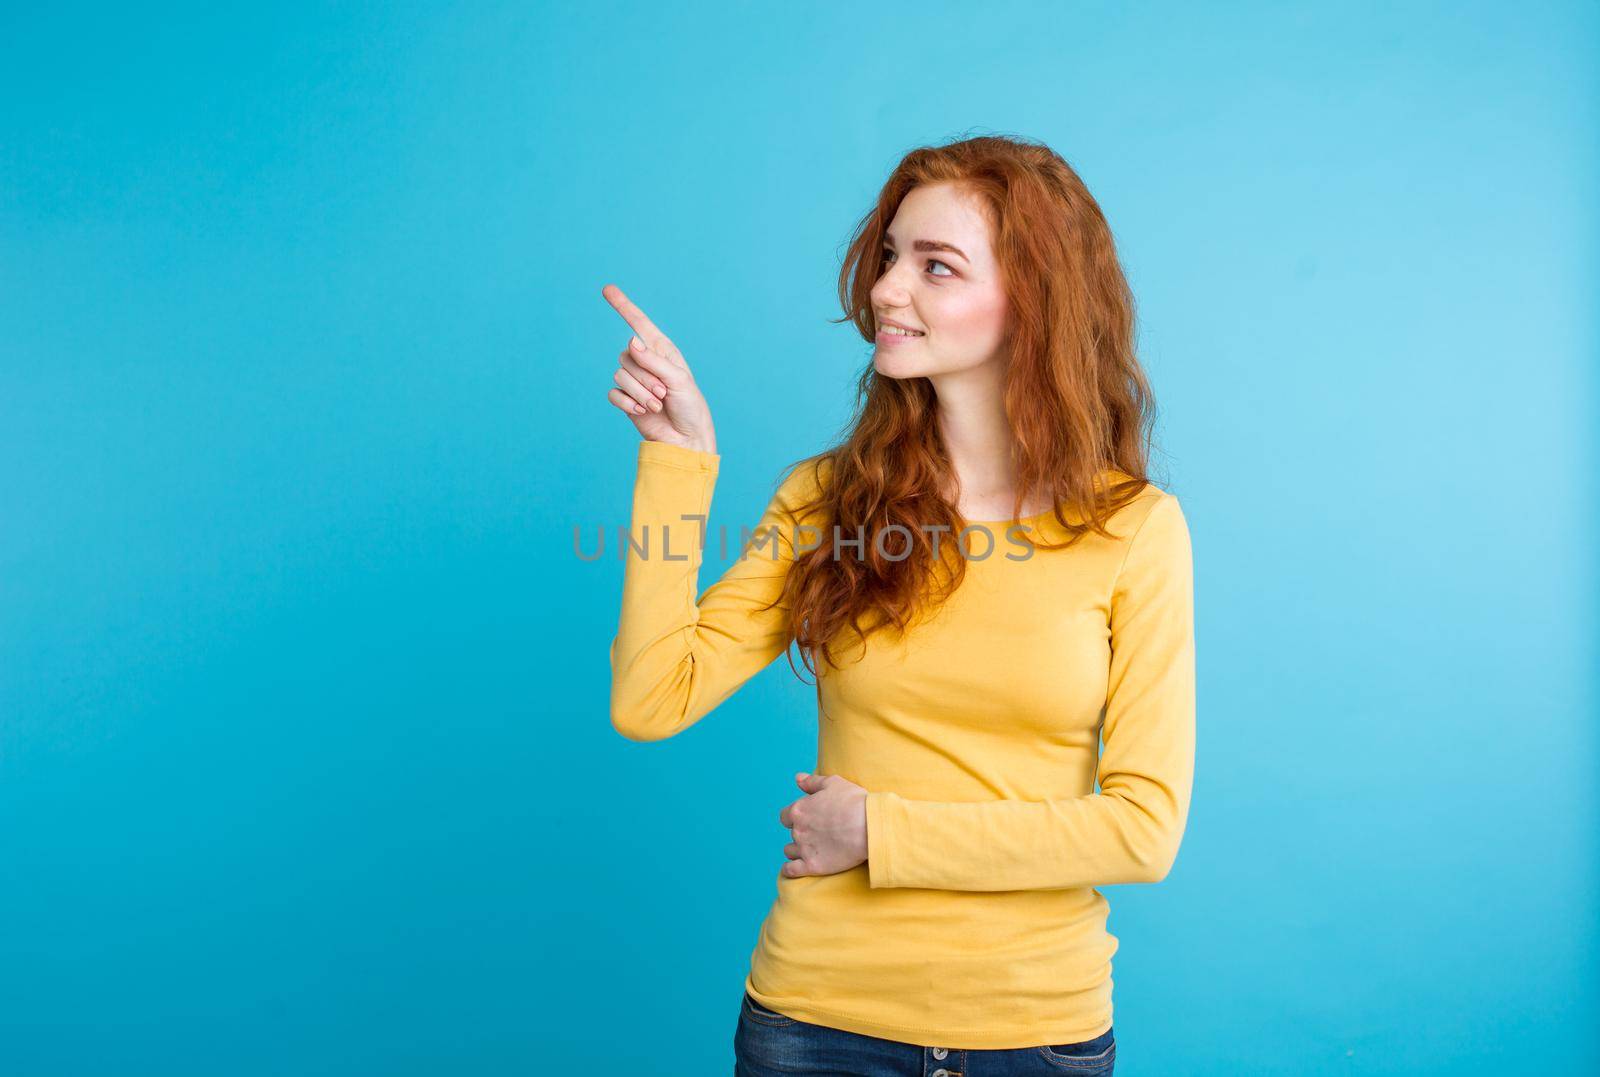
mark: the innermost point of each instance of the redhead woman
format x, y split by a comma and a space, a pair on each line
997, 605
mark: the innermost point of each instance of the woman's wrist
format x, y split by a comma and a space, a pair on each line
704, 440
695, 454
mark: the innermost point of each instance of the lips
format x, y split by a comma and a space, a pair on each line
887, 339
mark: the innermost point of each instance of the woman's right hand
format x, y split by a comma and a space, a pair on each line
654, 386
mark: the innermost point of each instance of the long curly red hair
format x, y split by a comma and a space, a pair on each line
1078, 402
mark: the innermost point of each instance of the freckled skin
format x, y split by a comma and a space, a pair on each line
960, 304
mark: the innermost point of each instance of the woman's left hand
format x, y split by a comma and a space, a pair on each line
829, 825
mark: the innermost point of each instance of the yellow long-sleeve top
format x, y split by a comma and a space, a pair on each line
976, 921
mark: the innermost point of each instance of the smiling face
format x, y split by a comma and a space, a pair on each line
954, 297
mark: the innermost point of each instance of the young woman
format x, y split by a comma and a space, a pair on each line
992, 586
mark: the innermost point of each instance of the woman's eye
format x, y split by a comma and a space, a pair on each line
888, 254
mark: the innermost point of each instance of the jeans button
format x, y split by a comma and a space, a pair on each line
939, 1052
941, 1073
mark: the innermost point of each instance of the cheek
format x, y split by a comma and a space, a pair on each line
978, 319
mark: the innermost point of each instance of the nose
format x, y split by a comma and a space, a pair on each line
890, 291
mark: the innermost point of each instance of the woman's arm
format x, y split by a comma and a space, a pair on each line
1128, 832
674, 659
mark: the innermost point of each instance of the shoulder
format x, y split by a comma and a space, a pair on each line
1147, 503
1151, 536
1154, 538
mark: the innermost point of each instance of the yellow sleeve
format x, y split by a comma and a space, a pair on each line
673, 659
1128, 832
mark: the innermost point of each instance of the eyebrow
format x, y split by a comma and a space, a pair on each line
931, 245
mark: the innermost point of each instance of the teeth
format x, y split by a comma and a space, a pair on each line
900, 332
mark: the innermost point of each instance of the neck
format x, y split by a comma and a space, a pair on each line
976, 433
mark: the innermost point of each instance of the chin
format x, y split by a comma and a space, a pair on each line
893, 366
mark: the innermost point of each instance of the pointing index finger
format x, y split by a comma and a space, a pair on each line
631, 314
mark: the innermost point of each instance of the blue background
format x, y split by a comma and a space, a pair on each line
305, 763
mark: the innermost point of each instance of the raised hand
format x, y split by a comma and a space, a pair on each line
654, 386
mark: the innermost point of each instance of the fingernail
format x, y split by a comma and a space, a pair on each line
636, 344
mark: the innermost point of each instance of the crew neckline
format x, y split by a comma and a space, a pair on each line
1066, 510
1007, 522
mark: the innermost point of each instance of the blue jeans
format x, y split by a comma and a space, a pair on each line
768, 1043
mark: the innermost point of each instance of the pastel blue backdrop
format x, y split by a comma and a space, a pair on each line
305, 760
